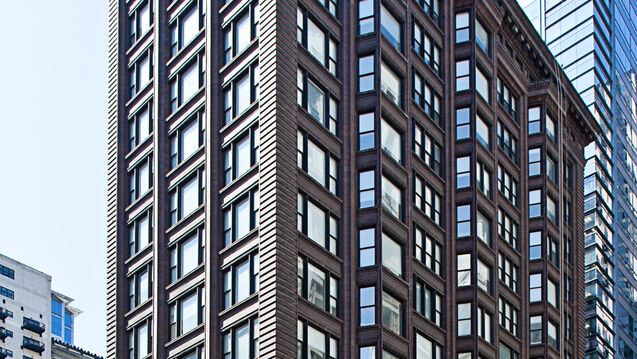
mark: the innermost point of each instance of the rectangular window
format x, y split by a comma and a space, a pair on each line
392, 198
463, 123
140, 126
318, 163
464, 319
483, 85
483, 132
7, 272
367, 247
367, 353
392, 313
240, 32
507, 229
140, 233
317, 101
428, 302
535, 161
551, 209
140, 179
317, 286
391, 141
427, 98
241, 217
367, 306
139, 21
140, 287
366, 139
551, 169
462, 75
535, 330
535, 287
427, 199
241, 93
508, 316
140, 341
428, 251
552, 251
535, 203
365, 17
482, 37
187, 255
241, 155
366, 72
427, 349
463, 221
426, 48
552, 335
431, 8
242, 341
483, 179
462, 27
507, 353
507, 143
318, 225
535, 245
507, 185
551, 293
391, 84
366, 192
318, 42
240, 280
484, 276
7, 292
187, 139
140, 73
427, 149
464, 270
508, 272
534, 120
506, 98
463, 172
483, 228
392, 255
187, 196
186, 313
186, 26
314, 343
550, 127
391, 28
484, 325
187, 82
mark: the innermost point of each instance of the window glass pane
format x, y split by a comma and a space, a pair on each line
316, 162
366, 73
243, 94
242, 342
144, 17
316, 41
482, 37
390, 27
316, 285
392, 255
391, 142
243, 218
366, 131
365, 16
144, 124
392, 313
482, 132
243, 156
367, 353
367, 256
190, 25
142, 340
390, 84
189, 255
482, 85
243, 280
189, 313
143, 232
189, 82
190, 139
316, 102
367, 300
315, 344
243, 33
190, 196
316, 224
144, 72
392, 198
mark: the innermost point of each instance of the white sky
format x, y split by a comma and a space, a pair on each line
53, 149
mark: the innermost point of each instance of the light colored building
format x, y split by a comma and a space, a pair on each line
25, 319
63, 350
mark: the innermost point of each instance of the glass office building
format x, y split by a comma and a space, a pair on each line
594, 42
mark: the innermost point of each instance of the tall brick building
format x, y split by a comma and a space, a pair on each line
342, 179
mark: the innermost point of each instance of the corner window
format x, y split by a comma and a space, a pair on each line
483, 228
392, 255
392, 198
241, 93
241, 155
484, 276
483, 85
241, 217
392, 313
240, 280
391, 85
551, 209
483, 132
391, 28
482, 37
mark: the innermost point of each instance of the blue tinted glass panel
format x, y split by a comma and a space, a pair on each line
68, 320
56, 325
56, 307
68, 336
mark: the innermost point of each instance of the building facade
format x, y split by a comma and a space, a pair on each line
342, 179
594, 42
63, 317
25, 311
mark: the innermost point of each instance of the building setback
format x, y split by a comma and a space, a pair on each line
342, 179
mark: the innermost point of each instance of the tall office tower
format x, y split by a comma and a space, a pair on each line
342, 179
31, 314
590, 41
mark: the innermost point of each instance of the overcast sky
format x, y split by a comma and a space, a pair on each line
53, 149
